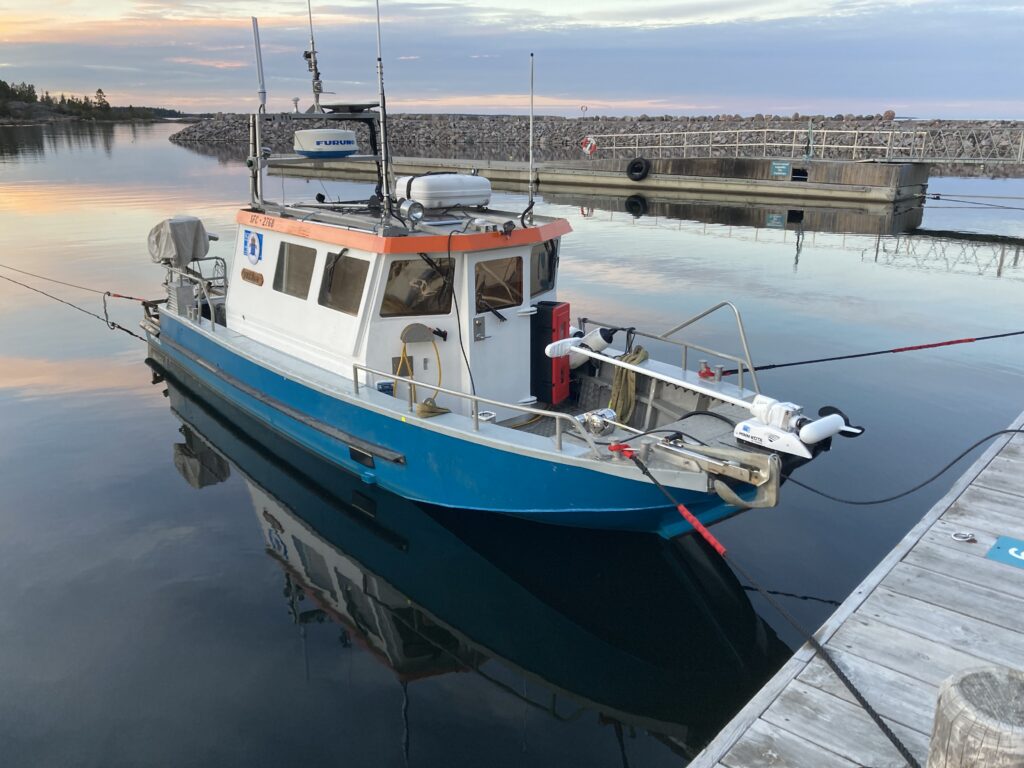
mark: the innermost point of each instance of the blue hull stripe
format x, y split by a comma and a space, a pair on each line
435, 468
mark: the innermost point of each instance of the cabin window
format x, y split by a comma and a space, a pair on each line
415, 287
543, 266
499, 284
294, 269
344, 279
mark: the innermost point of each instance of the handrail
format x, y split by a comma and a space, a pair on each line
204, 283
739, 327
587, 352
742, 363
475, 401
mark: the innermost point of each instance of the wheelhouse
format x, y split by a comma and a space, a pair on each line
451, 303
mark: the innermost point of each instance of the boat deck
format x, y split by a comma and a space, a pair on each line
933, 607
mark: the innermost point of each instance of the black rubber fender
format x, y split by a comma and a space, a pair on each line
636, 206
638, 168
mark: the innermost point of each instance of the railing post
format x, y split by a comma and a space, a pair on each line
558, 433
475, 408
1020, 149
355, 379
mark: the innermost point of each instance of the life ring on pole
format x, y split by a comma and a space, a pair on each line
638, 168
588, 145
636, 206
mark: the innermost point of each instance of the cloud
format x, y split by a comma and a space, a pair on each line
211, 63
674, 56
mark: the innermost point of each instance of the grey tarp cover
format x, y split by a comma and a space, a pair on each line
178, 240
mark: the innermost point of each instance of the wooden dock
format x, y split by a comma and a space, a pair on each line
933, 607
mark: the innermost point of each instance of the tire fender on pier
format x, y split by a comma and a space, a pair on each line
638, 168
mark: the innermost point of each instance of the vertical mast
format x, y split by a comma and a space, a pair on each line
384, 151
530, 207
310, 57
257, 159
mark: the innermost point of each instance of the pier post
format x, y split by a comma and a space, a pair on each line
979, 720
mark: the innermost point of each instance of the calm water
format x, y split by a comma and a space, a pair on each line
144, 621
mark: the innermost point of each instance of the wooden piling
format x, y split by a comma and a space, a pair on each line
979, 720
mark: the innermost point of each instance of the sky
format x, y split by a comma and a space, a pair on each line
920, 58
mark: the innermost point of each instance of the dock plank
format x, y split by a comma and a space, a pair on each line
894, 695
933, 607
767, 745
963, 565
836, 725
985, 603
1004, 474
941, 625
902, 651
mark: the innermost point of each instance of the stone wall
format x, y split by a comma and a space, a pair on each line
498, 137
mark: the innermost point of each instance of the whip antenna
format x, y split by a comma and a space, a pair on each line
384, 152
530, 207
310, 57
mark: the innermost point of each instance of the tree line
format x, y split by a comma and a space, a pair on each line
95, 106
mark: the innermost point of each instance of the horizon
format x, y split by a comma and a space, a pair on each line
778, 57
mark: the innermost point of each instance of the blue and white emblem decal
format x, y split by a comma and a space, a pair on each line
253, 244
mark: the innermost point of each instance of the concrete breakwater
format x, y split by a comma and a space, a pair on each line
505, 137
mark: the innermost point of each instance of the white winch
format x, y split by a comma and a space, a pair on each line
783, 427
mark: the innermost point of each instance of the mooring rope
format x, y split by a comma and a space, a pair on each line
71, 285
937, 196
105, 320
893, 351
917, 487
790, 619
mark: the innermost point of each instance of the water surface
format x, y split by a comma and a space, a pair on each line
148, 622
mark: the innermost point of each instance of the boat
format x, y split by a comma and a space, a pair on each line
416, 340
432, 592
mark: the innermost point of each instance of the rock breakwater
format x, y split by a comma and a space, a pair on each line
498, 137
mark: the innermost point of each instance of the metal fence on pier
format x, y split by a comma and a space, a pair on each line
908, 143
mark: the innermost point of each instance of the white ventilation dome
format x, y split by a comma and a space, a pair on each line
325, 143
445, 190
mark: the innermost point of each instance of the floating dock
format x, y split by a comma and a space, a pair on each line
935, 606
737, 178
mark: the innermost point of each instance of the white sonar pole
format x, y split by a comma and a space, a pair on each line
384, 153
530, 208
262, 94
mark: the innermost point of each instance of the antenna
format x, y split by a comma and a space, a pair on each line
530, 207
257, 159
386, 213
310, 57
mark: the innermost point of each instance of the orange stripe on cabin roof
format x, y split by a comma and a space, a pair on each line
364, 241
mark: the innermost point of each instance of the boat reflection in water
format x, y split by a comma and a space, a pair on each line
637, 631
